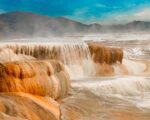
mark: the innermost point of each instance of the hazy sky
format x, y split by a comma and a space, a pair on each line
86, 11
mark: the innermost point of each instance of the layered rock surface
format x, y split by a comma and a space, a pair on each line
28, 89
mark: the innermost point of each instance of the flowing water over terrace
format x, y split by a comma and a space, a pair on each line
75, 56
125, 95
120, 97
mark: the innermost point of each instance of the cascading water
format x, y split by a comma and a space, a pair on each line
77, 59
75, 56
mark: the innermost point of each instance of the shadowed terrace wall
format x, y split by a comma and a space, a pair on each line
104, 54
104, 58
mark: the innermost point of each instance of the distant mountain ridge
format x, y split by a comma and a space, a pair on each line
26, 24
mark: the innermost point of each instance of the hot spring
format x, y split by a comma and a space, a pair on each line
92, 80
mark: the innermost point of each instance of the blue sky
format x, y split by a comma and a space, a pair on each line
86, 11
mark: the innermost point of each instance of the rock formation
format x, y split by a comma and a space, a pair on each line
28, 89
23, 106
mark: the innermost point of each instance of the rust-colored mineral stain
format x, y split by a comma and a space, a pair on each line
101, 53
22, 77
33, 82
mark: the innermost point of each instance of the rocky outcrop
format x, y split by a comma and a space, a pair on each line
28, 89
43, 78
